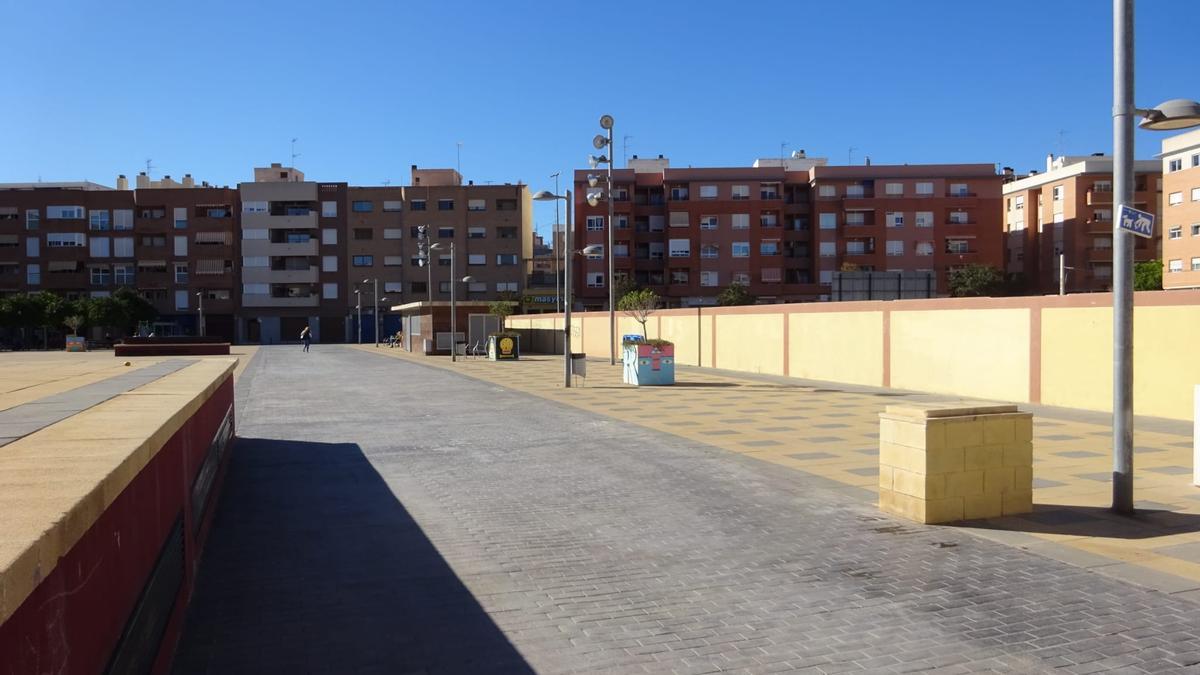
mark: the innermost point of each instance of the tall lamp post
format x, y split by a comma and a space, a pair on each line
545, 196
200, 313
1170, 115
601, 142
375, 316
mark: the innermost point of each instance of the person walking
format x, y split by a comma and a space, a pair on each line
306, 337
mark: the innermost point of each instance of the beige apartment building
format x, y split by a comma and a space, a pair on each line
1180, 222
1068, 210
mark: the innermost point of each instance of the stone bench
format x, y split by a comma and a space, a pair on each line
172, 349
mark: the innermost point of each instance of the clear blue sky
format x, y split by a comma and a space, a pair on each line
92, 89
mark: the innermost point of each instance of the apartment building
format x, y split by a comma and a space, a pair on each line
489, 225
1068, 210
1180, 222
289, 227
783, 227
376, 256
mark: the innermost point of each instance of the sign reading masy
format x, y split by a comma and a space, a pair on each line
1138, 222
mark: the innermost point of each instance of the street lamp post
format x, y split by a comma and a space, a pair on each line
358, 310
375, 316
601, 142
544, 196
1170, 115
200, 313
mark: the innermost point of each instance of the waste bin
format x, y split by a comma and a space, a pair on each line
579, 364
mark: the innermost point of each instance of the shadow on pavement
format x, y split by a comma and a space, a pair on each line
1148, 521
313, 565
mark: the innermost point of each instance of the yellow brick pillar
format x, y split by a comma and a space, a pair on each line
957, 460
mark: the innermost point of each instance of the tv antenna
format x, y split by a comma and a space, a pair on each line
850, 155
782, 152
387, 182
149, 167
294, 154
458, 158
625, 150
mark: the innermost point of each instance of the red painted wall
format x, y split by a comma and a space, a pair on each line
74, 619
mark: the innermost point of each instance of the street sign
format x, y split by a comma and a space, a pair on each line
1138, 222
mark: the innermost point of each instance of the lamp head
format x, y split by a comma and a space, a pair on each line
592, 179
594, 161
435, 245
594, 249
468, 279
606, 122
542, 196
594, 197
600, 141
1177, 113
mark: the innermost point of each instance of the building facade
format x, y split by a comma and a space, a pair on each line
783, 227
1068, 210
1180, 223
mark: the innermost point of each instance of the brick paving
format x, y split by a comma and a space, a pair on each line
479, 529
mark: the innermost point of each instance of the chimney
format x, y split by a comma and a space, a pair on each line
867, 161
470, 182
188, 181
635, 157
1033, 172
276, 165
660, 156
1049, 161
143, 181
122, 182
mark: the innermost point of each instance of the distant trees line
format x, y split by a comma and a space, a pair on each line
24, 315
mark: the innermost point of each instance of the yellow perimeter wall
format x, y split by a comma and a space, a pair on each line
989, 348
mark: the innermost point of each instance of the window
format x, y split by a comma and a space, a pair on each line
477, 287
679, 276
925, 188
826, 277
768, 191
827, 221
772, 275
123, 275
740, 221
959, 190
418, 287
476, 232
828, 249
506, 258
503, 286
924, 248
1174, 165
416, 205
924, 219
895, 247
1175, 232
329, 236
31, 247
393, 233
1056, 194
181, 300
66, 240
708, 192
768, 247
958, 246
595, 280
1196, 160
98, 220
895, 219
181, 246
656, 223
595, 223
98, 247
445, 205
363, 260
1196, 194
768, 219
100, 275
622, 221
329, 291
679, 219
445, 233
477, 259
741, 278
1102, 186
855, 191
893, 188
362, 207
329, 263
181, 273
1102, 215
506, 205
1196, 230
506, 233
249, 234
1195, 264
709, 251
597, 252
122, 219
33, 218
679, 193
329, 209
709, 279
708, 222
855, 218
444, 260
621, 249
180, 220
33, 274
256, 261
827, 191
477, 205
656, 250
741, 249
680, 248
393, 261
1175, 198
1102, 243
1175, 266
741, 192
247, 207
363, 234
391, 207
959, 218
393, 287
64, 213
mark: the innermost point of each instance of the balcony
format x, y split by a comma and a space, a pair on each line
1100, 255
260, 247
266, 275
259, 220
863, 203
263, 300
1099, 197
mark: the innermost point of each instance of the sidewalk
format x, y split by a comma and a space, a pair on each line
831, 431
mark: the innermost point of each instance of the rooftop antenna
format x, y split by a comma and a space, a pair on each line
458, 158
149, 167
293, 162
1062, 135
387, 182
782, 152
625, 150
850, 155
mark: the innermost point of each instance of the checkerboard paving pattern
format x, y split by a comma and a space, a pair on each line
833, 433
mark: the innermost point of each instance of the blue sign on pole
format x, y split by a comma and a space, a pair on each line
1138, 222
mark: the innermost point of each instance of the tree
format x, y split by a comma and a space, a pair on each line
639, 304
850, 267
73, 321
1147, 276
53, 310
23, 311
975, 280
501, 309
624, 287
734, 294
122, 310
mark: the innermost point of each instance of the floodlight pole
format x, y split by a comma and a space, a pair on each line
1123, 117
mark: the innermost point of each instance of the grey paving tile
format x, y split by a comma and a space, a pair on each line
812, 455
1170, 470
824, 439
761, 444
1046, 483
1078, 454
864, 471
1105, 477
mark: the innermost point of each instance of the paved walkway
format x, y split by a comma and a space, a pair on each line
830, 431
384, 516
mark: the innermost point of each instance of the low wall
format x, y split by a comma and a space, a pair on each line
105, 515
1055, 350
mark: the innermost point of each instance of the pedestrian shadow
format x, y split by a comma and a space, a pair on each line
1148, 521
313, 565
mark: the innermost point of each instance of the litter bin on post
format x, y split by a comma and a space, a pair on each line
579, 364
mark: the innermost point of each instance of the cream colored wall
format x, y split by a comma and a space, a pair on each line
684, 331
751, 342
707, 353
839, 347
980, 353
595, 336
1077, 359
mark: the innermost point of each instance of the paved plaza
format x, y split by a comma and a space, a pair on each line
385, 515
